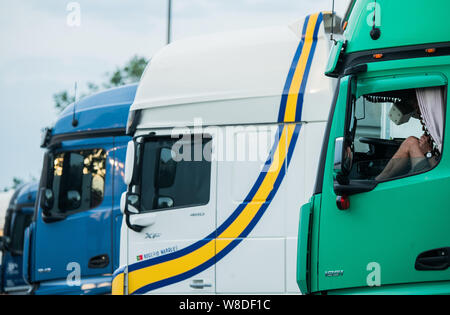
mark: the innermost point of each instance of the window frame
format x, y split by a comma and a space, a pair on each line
136, 184
49, 181
357, 90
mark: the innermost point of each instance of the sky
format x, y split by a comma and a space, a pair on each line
42, 54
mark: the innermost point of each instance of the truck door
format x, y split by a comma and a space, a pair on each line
171, 244
17, 220
395, 228
73, 223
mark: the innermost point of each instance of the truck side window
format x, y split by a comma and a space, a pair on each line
21, 222
78, 180
397, 133
172, 177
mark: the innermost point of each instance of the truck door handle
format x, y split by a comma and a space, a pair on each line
199, 284
98, 262
436, 259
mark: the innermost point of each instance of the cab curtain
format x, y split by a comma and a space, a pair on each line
431, 104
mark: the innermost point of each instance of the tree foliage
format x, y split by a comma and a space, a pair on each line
131, 72
62, 99
16, 182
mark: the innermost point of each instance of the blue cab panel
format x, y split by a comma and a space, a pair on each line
18, 217
102, 111
73, 241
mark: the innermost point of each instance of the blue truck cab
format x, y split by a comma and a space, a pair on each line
72, 244
18, 218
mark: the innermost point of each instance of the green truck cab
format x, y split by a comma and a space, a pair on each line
378, 222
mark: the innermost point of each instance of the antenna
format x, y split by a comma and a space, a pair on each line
332, 24
169, 22
375, 33
74, 120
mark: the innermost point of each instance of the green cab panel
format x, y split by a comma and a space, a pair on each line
303, 247
386, 229
427, 288
397, 82
401, 23
375, 245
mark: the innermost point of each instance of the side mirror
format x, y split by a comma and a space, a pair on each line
47, 199
46, 202
129, 203
165, 202
338, 149
343, 156
132, 203
74, 198
129, 163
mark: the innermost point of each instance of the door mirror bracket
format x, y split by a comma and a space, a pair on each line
52, 218
46, 203
354, 187
130, 203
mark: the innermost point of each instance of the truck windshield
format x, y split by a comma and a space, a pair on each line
77, 179
175, 173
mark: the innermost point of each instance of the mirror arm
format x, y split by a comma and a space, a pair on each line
354, 187
136, 228
127, 213
342, 179
52, 218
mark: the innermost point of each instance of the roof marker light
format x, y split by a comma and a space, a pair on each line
430, 50
377, 56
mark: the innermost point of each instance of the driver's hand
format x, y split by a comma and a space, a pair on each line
424, 144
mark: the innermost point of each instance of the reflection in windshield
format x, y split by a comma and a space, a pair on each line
80, 174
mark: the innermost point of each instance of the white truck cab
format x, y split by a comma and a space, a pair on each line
227, 131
